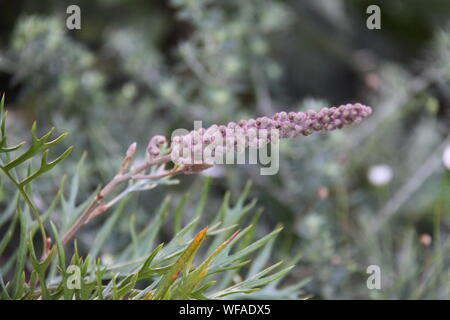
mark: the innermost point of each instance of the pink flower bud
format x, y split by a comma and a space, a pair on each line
258, 132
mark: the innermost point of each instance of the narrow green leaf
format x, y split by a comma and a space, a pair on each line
182, 263
4, 294
143, 270
59, 246
8, 234
37, 145
247, 250
178, 211
204, 198
10, 149
21, 253
46, 166
195, 277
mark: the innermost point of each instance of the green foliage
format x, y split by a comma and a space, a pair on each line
9, 162
168, 271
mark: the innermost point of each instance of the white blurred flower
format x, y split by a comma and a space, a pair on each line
107, 259
380, 175
446, 157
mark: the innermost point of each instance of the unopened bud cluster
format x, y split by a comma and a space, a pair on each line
204, 145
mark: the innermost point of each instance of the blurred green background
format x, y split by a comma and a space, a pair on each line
374, 194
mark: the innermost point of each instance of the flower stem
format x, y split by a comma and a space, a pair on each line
97, 205
33, 209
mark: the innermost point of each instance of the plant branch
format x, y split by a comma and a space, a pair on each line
97, 206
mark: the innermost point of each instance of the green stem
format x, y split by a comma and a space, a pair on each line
32, 207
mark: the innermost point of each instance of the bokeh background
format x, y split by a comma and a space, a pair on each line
374, 194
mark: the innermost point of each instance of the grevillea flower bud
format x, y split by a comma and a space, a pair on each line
258, 132
153, 148
131, 150
128, 157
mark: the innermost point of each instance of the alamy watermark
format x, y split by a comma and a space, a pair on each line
374, 280
73, 281
227, 145
73, 20
373, 22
